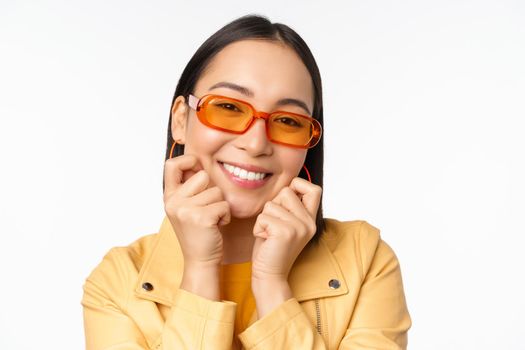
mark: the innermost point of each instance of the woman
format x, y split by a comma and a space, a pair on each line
244, 257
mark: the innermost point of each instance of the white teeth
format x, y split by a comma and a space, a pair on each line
243, 173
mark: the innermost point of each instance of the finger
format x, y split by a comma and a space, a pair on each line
190, 172
267, 226
277, 211
174, 169
302, 224
196, 184
309, 193
218, 213
208, 196
261, 227
187, 174
291, 201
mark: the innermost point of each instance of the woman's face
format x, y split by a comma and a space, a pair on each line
261, 73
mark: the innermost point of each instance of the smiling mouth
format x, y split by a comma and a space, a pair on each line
244, 174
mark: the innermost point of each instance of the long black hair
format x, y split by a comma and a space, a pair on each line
256, 27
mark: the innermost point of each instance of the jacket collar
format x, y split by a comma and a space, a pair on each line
309, 277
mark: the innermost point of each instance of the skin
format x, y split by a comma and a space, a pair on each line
218, 222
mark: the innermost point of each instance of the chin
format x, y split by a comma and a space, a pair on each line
243, 214
244, 209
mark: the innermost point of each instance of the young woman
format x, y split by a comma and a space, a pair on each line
244, 257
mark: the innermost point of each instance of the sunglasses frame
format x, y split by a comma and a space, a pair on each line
196, 103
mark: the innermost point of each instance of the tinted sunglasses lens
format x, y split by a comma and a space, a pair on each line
291, 129
227, 114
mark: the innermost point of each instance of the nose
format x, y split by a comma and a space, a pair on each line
254, 140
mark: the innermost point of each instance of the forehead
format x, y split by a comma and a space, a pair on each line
272, 70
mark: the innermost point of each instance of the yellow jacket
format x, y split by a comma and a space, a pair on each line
348, 294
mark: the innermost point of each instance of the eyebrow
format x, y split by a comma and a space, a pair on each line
249, 93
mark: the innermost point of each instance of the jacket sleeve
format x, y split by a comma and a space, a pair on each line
380, 319
193, 322
285, 327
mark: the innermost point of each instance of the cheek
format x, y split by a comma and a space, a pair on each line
292, 161
202, 141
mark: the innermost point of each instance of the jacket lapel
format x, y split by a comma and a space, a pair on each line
311, 273
162, 268
309, 277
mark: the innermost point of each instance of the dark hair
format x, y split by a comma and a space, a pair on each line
257, 27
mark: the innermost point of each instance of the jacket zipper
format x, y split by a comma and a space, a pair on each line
318, 316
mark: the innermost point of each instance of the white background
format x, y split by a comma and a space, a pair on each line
424, 109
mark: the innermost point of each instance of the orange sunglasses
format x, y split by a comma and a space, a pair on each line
237, 116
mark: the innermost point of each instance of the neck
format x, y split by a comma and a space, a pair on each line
238, 240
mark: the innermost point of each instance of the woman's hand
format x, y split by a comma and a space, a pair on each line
282, 230
196, 212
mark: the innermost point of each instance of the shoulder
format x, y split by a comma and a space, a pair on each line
359, 241
118, 269
343, 234
129, 257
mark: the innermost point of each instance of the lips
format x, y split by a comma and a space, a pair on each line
243, 173
248, 176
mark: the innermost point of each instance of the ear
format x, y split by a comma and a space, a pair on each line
179, 119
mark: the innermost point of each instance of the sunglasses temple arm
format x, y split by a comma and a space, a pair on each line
193, 101
307, 173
